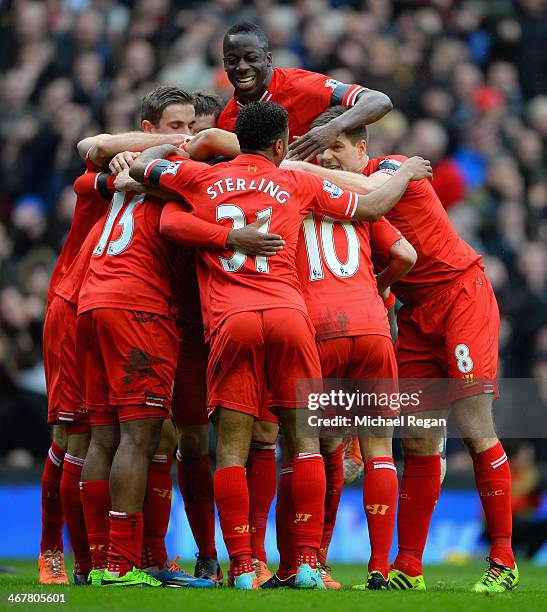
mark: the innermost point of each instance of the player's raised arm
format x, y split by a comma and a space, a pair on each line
376, 204
140, 165
367, 106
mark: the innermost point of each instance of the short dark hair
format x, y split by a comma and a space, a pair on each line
157, 100
246, 27
207, 103
354, 134
260, 124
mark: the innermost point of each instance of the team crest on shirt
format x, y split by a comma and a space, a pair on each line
333, 190
332, 83
389, 165
171, 168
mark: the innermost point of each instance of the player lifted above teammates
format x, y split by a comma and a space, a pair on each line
448, 328
304, 95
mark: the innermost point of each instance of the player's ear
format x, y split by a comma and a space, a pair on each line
269, 59
362, 147
147, 126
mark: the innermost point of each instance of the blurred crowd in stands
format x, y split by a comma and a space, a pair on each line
468, 80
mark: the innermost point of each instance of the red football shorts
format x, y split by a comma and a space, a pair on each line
370, 360
128, 364
62, 379
257, 350
190, 392
453, 335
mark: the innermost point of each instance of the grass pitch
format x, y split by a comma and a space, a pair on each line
448, 589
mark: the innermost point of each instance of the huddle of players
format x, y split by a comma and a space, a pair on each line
288, 295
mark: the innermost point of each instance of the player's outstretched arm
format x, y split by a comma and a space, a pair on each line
211, 142
376, 204
347, 180
180, 226
402, 258
106, 146
371, 105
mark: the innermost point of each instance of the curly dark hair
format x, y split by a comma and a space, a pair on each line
260, 124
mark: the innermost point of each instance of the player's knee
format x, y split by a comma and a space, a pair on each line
58, 435
105, 440
265, 431
473, 416
78, 444
420, 447
329, 445
372, 446
168, 439
143, 434
193, 441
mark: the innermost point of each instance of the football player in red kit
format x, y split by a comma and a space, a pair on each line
304, 95
60, 481
448, 328
254, 306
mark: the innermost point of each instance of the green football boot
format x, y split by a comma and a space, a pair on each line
399, 581
135, 578
497, 578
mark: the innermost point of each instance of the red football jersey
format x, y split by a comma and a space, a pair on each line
130, 266
304, 95
422, 220
70, 285
93, 190
238, 192
335, 269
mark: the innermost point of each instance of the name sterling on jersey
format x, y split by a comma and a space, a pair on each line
267, 186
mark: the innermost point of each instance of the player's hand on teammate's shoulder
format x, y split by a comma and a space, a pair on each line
252, 241
418, 167
318, 139
122, 161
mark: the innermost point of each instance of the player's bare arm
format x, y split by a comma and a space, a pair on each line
376, 204
371, 105
108, 145
182, 227
402, 258
213, 141
347, 180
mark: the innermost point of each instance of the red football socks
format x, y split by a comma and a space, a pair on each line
156, 511
420, 490
493, 479
95, 498
285, 525
52, 509
308, 491
125, 542
74, 513
261, 482
380, 503
334, 473
232, 499
196, 485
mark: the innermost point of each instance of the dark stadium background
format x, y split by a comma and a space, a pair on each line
468, 80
